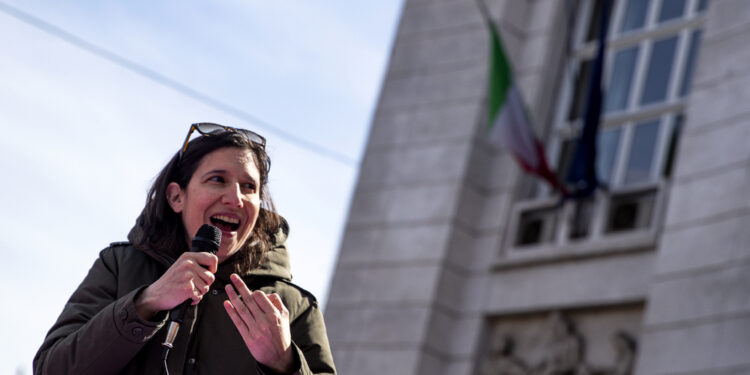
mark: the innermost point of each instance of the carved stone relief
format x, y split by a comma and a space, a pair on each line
555, 345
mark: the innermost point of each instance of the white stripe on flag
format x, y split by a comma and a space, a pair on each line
512, 129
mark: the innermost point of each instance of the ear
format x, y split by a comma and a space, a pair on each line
175, 197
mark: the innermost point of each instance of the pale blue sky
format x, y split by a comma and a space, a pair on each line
82, 137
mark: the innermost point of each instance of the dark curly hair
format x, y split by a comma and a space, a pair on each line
163, 230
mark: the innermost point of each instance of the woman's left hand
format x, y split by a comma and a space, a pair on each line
263, 323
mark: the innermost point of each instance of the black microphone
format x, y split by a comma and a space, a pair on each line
206, 240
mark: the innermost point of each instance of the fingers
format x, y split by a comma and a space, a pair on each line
196, 264
205, 263
237, 309
198, 289
255, 308
243, 301
204, 280
189, 277
262, 303
255, 300
235, 317
276, 301
262, 321
240, 287
207, 260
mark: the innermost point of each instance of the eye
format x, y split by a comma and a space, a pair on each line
249, 187
217, 179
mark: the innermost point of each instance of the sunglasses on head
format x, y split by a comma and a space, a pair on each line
208, 129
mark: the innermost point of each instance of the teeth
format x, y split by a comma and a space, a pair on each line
227, 219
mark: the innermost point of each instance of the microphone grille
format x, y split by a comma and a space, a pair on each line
207, 239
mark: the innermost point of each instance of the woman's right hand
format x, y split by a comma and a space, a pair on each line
189, 277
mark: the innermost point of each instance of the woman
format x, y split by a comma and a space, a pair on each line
251, 318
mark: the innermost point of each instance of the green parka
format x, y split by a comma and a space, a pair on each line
99, 331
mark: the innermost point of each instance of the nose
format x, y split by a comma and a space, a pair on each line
232, 196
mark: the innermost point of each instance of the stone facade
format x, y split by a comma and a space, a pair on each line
698, 318
427, 281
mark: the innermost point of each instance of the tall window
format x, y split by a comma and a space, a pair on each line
651, 51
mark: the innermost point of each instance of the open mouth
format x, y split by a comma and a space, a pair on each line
225, 223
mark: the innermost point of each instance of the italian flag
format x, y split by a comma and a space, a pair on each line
508, 120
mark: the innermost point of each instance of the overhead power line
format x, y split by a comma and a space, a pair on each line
171, 83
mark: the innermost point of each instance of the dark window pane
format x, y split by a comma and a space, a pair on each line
537, 226
580, 222
659, 71
577, 105
642, 152
630, 211
608, 143
687, 75
676, 129
702, 5
621, 79
635, 15
671, 9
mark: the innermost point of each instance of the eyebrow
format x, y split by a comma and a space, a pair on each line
214, 171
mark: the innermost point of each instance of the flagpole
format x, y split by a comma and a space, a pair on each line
485, 12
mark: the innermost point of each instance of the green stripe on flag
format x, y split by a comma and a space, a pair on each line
501, 78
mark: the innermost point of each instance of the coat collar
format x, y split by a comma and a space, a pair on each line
275, 262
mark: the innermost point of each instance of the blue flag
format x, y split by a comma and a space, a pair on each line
582, 174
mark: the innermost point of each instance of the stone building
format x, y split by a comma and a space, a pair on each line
453, 261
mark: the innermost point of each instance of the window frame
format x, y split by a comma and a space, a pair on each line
667, 111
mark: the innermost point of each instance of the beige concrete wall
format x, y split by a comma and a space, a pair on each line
384, 292
432, 197
698, 316
421, 273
